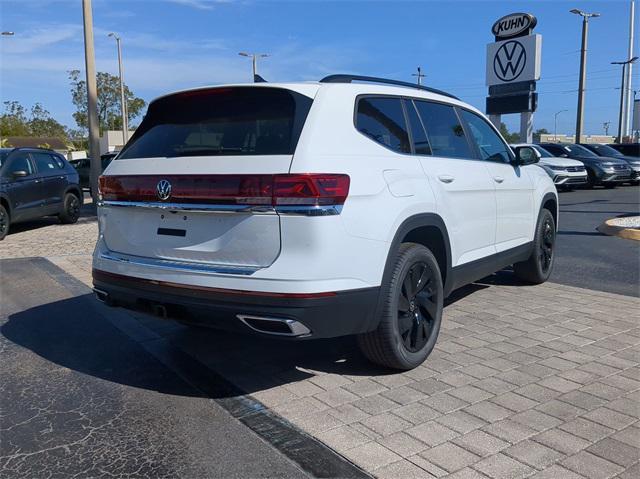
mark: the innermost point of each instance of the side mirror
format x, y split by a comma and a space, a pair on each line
20, 174
525, 155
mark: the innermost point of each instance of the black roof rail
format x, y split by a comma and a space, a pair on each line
345, 78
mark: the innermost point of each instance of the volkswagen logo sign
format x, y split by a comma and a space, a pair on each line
509, 61
164, 190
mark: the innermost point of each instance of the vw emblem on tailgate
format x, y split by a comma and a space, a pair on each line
163, 189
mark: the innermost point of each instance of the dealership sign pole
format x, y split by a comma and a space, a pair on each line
513, 67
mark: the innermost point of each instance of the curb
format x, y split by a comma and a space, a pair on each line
610, 229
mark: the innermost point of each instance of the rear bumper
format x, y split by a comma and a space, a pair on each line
323, 315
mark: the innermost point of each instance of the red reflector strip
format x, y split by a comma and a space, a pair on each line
286, 189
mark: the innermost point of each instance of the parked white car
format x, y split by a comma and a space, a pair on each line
315, 210
565, 172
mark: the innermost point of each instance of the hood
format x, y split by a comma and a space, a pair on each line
557, 161
629, 159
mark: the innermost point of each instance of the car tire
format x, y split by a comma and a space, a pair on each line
70, 210
411, 311
591, 180
537, 268
5, 222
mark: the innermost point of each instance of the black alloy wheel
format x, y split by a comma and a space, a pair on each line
410, 310
71, 211
547, 244
4, 222
417, 307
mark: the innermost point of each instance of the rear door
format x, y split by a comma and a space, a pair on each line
53, 179
462, 185
194, 182
514, 188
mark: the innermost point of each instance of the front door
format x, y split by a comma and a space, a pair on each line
23, 191
514, 189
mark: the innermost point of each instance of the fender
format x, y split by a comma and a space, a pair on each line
556, 213
74, 189
409, 224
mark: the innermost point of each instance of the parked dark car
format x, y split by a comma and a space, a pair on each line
601, 170
628, 149
83, 167
36, 182
605, 150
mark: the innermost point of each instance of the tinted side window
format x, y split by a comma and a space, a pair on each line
489, 143
45, 163
555, 150
419, 136
382, 120
19, 162
446, 135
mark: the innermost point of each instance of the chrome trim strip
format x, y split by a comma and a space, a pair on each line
268, 209
296, 327
177, 265
318, 210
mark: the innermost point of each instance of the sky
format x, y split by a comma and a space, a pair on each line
174, 44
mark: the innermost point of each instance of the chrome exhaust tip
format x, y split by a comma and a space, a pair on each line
275, 326
102, 296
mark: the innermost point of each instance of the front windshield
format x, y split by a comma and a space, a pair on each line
605, 150
579, 151
543, 153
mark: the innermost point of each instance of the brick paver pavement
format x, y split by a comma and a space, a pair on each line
526, 381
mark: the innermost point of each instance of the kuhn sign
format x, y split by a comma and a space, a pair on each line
513, 25
515, 60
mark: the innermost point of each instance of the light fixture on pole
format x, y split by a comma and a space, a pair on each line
621, 128
583, 69
555, 124
254, 60
123, 101
420, 75
8, 34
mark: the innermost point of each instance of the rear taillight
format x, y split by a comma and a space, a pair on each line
311, 189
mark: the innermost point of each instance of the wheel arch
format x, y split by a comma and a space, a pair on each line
429, 230
550, 202
75, 189
4, 201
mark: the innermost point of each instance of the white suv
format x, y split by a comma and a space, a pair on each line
315, 210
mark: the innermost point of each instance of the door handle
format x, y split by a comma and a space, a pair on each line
498, 179
446, 178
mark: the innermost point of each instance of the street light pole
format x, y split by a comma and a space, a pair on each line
621, 115
254, 60
92, 100
583, 69
555, 124
123, 101
627, 118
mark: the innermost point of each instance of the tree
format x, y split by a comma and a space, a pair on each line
509, 137
15, 122
109, 108
537, 133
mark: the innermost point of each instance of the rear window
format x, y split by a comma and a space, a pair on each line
221, 121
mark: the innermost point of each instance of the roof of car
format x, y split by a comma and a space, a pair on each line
310, 89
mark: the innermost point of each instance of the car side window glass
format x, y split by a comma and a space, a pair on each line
58, 161
446, 134
418, 134
19, 162
382, 120
45, 163
489, 143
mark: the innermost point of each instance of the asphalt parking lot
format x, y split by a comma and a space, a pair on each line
525, 381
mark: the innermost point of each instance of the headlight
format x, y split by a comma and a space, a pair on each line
556, 168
